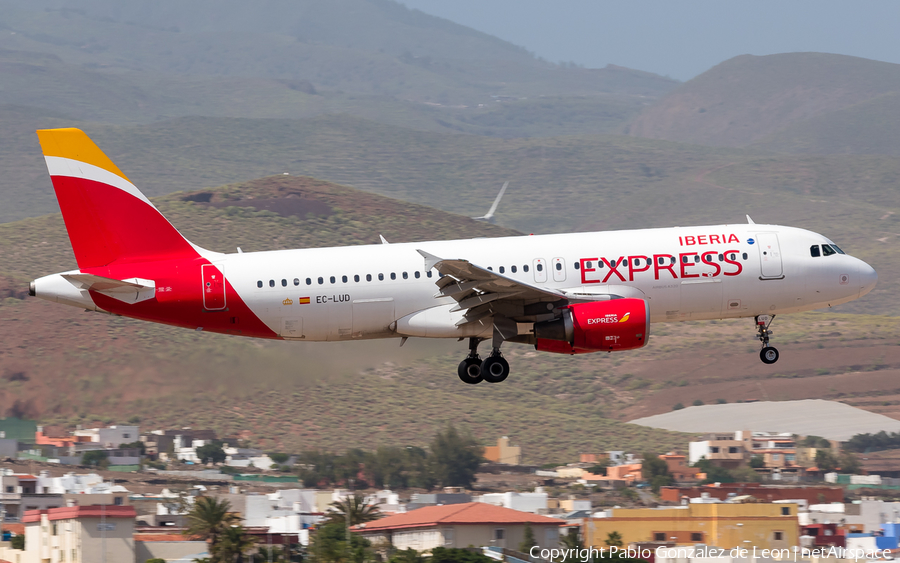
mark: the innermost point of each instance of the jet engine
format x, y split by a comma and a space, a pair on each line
600, 326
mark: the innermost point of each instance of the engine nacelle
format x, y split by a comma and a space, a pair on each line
601, 326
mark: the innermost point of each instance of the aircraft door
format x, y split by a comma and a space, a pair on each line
213, 287
769, 256
540, 270
559, 270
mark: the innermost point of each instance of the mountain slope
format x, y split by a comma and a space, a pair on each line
747, 98
364, 46
870, 127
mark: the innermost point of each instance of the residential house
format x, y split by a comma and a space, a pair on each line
725, 525
503, 452
679, 468
111, 437
21, 492
461, 525
80, 534
535, 502
765, 493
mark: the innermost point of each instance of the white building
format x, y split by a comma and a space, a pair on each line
111, 437
535, 502
862, 515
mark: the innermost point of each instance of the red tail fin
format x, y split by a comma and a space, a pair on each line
108, 218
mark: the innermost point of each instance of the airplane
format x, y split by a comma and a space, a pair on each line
561, 293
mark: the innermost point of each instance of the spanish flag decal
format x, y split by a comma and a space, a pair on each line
303, 301
625, 318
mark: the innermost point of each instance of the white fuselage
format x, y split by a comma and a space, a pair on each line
685, 273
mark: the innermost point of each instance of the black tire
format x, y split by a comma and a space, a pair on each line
768, 355
495, 369
470, 371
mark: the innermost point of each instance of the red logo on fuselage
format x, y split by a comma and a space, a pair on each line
691, 240
710, 263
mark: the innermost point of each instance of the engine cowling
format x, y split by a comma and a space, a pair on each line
601, 326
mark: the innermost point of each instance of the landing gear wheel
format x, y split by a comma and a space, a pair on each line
768, 355
470, 371
495, 369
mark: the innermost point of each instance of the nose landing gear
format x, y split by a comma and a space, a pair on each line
768, 354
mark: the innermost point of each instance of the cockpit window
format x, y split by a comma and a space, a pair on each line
827, 250
839, 251
814, 251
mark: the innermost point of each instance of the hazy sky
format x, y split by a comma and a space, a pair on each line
679, 39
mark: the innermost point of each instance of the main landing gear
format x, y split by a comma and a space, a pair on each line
768, 354
493, 369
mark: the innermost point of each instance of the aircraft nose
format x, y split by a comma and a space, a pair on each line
867, 278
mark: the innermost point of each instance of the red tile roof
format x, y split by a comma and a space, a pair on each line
466, 513
92, 511
17, 529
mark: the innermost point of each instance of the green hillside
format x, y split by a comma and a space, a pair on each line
747, 98
870, 127
64, 366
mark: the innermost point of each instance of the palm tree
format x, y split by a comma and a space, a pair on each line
352, 511
208, 519
232, 545
272, 554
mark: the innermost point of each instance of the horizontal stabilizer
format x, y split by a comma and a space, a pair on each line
132, 290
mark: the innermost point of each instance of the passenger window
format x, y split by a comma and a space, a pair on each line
321, 281
380, 277
417, 274
490, 268
696, 259
684, 260
559, 266
576, 264
356, 278
405, 276
660, 260
332, 280
308, 281
344, 279
744, 256
259, 283
732, 256
296, 281
512, 269
393, 276
672, 259
637, 261
588, 264
428, 273
827, 250
368, 277
502, 270
721, 258
540, 267
283, 283
271, 283
525, 268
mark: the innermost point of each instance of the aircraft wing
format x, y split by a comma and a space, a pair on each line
483, 294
